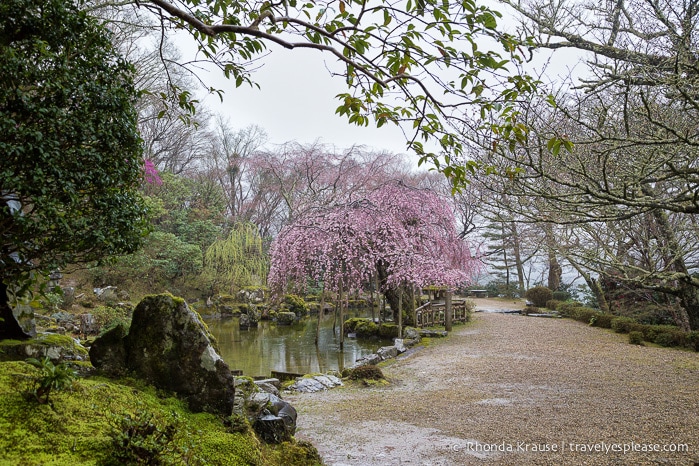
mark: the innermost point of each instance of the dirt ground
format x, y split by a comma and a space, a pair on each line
508, 389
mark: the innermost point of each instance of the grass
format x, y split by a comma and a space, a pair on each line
79, 426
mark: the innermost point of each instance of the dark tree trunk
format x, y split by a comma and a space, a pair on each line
392, 296
9, 327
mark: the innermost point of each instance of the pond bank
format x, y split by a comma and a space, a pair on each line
509, 381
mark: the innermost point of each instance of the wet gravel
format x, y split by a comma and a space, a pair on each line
508, 389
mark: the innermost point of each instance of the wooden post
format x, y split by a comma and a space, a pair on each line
400, 312
413, 307
447, 311
320, 313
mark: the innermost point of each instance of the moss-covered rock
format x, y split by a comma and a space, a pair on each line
286, 318
169, 346
52, 345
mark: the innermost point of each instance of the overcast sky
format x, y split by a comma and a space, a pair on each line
296, 102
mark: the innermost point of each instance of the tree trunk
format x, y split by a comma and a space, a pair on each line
342, 320
517, 250
9, 327
400, 313
555, 269
320, 314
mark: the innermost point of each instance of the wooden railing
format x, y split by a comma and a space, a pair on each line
432, 313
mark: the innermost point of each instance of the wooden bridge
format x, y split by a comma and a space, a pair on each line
433, 313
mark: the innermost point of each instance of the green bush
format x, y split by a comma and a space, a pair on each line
108, 317
561, 295
51, 377
584, 314
671, 337
142, 439
693, 340
636, 338
368, 372
530, 310
602, 320
388, 330
539, 295
553, 304
624, 324
296, 304
568, 309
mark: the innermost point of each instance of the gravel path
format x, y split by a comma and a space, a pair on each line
525, 384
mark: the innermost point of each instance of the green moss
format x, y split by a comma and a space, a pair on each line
77, 429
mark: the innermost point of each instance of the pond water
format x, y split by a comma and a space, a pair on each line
290, 348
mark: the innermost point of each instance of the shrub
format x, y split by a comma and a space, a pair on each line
367, 329
693, 340
368, 372
671, 337
529, 310
602, 320
584, 314
142, 439
388, 330
296, 304
539, 295
636, 338
561, 295
108, 317
624, 324
568, 309
51, 377
553, 304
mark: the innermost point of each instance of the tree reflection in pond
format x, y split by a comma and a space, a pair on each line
272, 347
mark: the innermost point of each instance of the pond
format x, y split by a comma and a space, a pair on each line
291, 348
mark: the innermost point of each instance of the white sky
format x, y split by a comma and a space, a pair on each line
296, 102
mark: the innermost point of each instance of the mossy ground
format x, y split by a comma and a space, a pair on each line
76, 429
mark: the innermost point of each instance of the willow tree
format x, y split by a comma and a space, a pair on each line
238, 260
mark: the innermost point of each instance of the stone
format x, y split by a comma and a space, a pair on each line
328, 381
68, 296
271, 385
24, 314
411, 333
88, 325
307, 385
56, 347
387, 352
244, 321
400, 346
108, 294
369, 360
170, 347
286, 318
271, 429
108, 352
425, 333
267, 387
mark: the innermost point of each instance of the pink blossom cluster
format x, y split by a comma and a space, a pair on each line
150, 173
412, 232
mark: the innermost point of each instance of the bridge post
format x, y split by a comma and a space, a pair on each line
447, 311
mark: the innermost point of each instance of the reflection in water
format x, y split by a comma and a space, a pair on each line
272, 347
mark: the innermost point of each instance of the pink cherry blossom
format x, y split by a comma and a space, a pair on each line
410, 231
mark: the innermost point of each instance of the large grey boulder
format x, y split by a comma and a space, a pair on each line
170, 347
